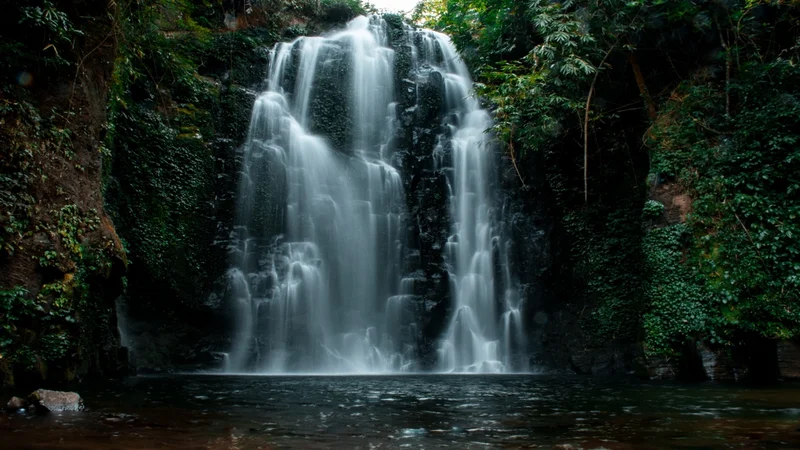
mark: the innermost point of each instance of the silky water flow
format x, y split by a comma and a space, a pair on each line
317, 266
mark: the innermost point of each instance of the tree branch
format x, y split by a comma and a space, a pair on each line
727, 73
514, 159
637, 72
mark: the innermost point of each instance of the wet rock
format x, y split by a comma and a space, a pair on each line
789, 360
660, 368
330, 113
431, 99
677, 205
16, 403
55, 401
717, 365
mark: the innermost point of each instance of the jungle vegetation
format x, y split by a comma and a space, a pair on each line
667, 134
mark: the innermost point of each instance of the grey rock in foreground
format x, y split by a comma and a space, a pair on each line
16, 403
56, 401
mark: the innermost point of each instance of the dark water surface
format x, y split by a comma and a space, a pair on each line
415, 412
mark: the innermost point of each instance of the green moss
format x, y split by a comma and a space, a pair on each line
680, 307
340, 11
163, 176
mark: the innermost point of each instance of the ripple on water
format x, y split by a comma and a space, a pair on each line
449, 412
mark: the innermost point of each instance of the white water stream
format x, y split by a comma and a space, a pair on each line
330, 296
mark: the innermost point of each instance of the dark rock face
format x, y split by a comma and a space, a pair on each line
717, 365
56, 401
419, 109
756, 361
330, 113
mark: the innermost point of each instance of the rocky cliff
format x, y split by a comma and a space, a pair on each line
61, 262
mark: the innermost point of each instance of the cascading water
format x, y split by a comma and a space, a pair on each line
474, 341
320, 238
314, 299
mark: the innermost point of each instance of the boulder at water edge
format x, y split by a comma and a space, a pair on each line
16, 404
56, 401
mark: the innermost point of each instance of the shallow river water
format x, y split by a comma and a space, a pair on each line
415, 412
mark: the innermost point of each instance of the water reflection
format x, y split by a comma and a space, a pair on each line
387, 412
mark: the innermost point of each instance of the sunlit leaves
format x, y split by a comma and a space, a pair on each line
49, 18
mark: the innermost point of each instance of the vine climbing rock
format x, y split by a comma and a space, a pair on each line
56, 401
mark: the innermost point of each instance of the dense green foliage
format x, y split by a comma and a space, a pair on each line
30, 51
742, 171
592, 95
59, 323
679, 305
161, 126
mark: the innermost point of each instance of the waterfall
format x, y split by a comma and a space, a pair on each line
474, 340
320, 279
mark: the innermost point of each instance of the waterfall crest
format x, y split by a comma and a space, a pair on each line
320, 279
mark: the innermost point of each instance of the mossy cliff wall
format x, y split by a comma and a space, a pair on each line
61, 262
123, 117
